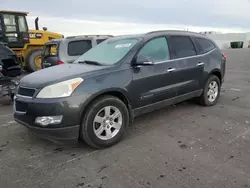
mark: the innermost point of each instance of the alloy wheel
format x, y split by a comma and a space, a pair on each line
107, 122
213, 90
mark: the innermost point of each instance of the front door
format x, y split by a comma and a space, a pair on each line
157, 82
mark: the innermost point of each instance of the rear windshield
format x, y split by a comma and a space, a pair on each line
109, 51
50, 50
76, 48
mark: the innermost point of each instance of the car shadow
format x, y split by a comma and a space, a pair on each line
152, 120
142, 124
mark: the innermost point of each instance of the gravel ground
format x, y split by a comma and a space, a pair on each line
185, 145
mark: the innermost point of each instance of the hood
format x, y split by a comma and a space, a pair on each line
55, 74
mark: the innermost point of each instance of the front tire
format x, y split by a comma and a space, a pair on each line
104, 123
211, 91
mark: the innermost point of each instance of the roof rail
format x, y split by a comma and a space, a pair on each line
70, 37
162, 31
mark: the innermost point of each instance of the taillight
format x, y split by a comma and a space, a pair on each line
224, 55
59, 63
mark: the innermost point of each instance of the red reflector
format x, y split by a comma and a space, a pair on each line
59, 63
25, 38
224, 55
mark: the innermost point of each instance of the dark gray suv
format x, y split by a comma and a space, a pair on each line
98, 96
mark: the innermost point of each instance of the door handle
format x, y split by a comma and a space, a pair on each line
171, 69
200, 64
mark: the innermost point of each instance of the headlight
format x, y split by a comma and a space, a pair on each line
61, 89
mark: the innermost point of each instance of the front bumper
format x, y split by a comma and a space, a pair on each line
61, 135
26, 110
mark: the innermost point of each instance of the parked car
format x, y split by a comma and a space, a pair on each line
10, 65
9, 68
67, 50
99, 95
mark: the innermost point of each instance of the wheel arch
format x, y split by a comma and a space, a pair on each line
217, 73
115, 92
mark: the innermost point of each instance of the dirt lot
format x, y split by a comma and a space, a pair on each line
181, 146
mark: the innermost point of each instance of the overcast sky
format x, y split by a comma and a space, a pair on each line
132, 16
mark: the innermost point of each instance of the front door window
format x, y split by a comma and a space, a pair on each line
156, 50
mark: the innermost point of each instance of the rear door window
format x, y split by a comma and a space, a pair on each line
203, 45
76, 48
181, 46
156, 49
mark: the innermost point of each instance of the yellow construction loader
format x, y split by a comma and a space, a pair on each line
27, 44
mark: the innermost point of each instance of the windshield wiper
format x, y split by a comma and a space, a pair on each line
89, 62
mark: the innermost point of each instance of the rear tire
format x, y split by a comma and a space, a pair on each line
30, 60
211, 91
100, 129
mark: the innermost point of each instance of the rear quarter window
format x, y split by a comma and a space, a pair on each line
181, 46
76, 48
203, 45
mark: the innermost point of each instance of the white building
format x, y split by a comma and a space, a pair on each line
224, 40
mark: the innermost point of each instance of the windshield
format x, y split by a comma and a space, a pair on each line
108, 52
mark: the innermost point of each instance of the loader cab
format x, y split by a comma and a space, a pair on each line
14, 28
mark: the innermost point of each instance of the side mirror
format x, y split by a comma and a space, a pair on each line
143, 60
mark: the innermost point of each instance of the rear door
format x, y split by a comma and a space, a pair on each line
76, 48
205, 48
189, 65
